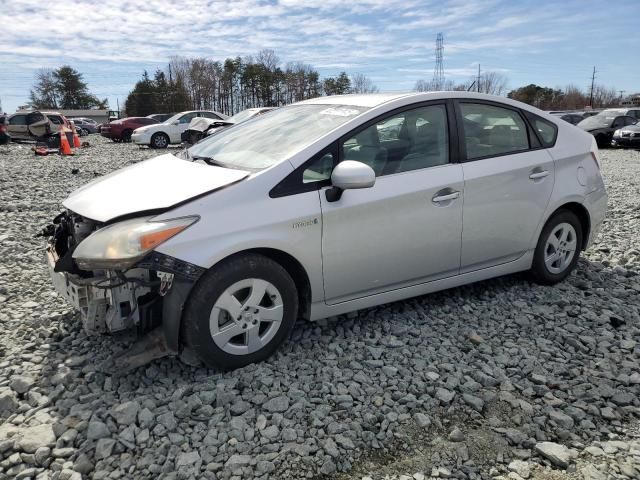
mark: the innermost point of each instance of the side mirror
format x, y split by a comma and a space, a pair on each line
349, 175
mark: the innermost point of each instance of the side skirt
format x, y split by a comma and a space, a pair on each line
322, 310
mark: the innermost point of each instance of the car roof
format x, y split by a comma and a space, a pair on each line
357, 100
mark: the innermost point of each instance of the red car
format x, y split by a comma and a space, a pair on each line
121, 130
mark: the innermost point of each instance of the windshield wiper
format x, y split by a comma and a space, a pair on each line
208, 160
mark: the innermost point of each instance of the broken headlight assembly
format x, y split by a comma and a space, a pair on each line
121, 245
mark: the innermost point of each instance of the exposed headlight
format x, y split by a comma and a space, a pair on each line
121, 245
617, 133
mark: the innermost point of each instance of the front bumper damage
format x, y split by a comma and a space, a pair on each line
148, 297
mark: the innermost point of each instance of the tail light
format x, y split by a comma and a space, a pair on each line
595, 159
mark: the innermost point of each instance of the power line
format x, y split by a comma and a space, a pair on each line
438, 71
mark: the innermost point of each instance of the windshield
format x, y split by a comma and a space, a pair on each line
603, 121
241, 116
269, 139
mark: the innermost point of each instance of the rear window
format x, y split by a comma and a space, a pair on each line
547, 131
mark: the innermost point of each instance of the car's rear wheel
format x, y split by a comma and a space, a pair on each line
240, 311
159, 140
558, 248
125, 136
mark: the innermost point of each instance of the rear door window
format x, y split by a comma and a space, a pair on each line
489, 130
18, 120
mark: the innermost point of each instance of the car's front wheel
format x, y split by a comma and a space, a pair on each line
558, 248
240, 311
159, 140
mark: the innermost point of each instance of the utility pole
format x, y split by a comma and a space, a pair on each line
118, 106
593, 81
478, 79
438, 72
621, 94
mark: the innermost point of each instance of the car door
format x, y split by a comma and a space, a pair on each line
508, 181
175, 131
405, 229
18, 126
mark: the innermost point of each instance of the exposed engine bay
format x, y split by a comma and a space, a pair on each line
112, 300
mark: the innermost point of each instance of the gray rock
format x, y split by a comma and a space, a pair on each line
8, 402
104, 448
97, 430
421, 419
83, 464
328, 467
444, 395
146, 419
557, 454
21, 383
474, 402
32, 438
456, 435
187, 459
277, 404
520, 467
42, 455
168, 420
344, 442
561, 419
265, 466
238, 460
125, 413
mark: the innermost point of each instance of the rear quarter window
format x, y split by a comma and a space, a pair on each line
547, 131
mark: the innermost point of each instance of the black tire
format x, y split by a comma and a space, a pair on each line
159, 140
195, 326
539, 269
125, 136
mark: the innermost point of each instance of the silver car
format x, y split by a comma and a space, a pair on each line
324, 207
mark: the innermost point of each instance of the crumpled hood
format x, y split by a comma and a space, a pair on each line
155, 184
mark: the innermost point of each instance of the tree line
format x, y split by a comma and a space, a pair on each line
569, 98
494, 83
235, 84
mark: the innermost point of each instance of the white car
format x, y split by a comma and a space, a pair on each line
161, 135
324, 207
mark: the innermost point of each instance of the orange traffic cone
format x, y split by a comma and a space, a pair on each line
65, 148
76, 138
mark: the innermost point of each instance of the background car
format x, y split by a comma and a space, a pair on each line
630, 112
85, 126
4, 135
628, 136
603, 125
161, 117
121, 130
170, 131
573, 118
201, 127
36, 125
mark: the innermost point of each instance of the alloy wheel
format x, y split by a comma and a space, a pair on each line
560, 248
246, 317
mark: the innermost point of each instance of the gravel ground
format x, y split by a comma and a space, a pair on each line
501, 379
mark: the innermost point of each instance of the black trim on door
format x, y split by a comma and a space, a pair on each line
293, 184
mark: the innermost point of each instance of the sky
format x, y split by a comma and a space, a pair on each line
112, 42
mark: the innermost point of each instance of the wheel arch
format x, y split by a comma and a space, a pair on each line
172, 323
582, 213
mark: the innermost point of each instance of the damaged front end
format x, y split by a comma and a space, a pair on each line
112, 275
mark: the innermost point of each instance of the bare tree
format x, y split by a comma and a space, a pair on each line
360, 83
605, 96
422, 86
493, 83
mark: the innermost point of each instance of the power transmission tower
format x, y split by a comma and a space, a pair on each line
593, 81
438, 71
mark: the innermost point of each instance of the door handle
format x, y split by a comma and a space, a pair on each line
537, 175
445, 197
